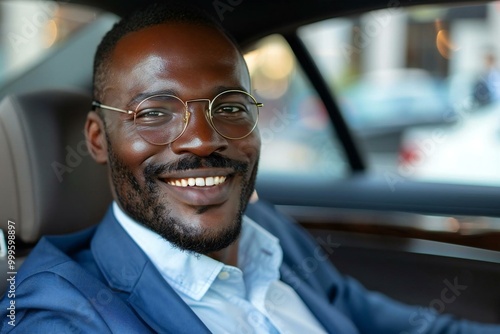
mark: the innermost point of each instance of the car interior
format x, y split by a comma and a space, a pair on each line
405, 242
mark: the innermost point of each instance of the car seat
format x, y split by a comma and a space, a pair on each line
49, 184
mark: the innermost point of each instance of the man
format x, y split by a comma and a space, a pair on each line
175, 123
486, 90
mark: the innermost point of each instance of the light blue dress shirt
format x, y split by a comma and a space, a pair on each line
249, 298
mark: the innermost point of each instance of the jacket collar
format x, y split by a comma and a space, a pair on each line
126, 268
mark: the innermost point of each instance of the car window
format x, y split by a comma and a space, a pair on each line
298, 139
419, 87
30, 29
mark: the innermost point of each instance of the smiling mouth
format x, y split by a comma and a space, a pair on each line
209, 181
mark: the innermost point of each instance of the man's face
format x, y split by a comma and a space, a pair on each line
190, 62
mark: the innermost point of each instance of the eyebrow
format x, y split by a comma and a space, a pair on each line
140, 97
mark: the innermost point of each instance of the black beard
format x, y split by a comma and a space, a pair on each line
143, 203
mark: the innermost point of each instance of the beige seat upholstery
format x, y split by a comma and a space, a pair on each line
49, 182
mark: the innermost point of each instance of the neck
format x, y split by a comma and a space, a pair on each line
228, 255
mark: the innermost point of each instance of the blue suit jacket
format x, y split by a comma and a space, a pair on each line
100, 281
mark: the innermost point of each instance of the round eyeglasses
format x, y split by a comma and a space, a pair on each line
161, 119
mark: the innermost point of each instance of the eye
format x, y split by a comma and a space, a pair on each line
154, 115
230, 110
157, 112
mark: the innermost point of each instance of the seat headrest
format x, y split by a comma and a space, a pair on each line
49, 182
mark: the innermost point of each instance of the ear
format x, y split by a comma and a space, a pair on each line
96, 138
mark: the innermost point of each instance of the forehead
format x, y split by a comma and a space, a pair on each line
179, 57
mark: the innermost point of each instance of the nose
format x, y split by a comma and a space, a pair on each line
199, 138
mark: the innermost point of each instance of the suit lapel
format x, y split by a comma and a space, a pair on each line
126, 268
158, 304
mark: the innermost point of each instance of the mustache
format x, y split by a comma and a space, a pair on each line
214, 160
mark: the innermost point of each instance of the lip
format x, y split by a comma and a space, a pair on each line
200, 196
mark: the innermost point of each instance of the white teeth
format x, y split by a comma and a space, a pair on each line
198, 181
209, 181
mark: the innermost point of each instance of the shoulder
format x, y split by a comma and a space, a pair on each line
45, 295
60, 290
45, 302
51, 252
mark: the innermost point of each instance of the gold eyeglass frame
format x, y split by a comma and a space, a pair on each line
208, 112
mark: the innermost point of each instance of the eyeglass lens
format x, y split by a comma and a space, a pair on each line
161, 119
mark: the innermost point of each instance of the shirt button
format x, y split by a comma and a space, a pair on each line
223, 275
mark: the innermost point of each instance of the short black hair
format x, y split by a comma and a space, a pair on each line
157, 13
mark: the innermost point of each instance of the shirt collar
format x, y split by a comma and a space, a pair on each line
193, 274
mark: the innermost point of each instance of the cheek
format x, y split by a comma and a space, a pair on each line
139, 147
249, 148
128, 146
134, 151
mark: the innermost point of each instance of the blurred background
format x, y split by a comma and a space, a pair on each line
418, 87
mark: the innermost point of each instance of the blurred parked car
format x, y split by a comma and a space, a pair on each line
451, 153
389, 101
